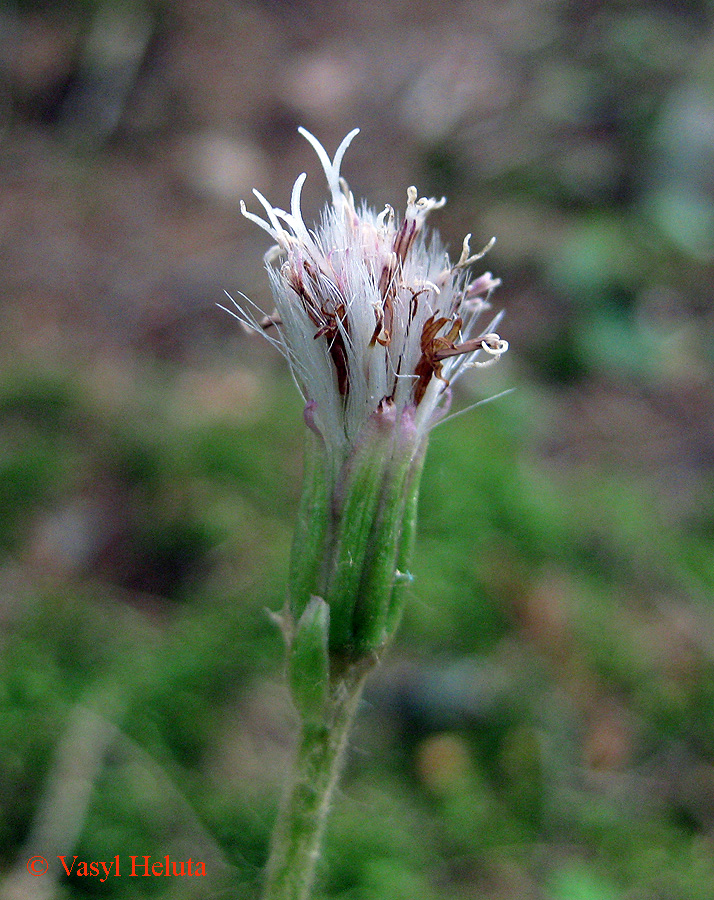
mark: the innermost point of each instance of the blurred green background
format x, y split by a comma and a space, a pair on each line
543, 728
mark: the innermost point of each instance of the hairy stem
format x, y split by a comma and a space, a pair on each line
296, 840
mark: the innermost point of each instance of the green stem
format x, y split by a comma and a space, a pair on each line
298, 833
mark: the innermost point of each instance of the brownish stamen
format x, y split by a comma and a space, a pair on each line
339, 358
388, 320
309, 305
434, 349
386, 279
466, 347
377, 328
404, 239
427, 365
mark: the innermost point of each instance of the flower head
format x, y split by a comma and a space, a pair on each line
370, 312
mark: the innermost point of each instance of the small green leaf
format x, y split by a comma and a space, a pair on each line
311, 529
309, 669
